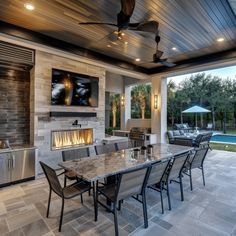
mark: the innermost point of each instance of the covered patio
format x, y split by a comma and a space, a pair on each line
207, 211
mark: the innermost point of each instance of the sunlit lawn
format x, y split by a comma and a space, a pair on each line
225, 147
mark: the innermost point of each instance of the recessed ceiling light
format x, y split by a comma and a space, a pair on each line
220, 39
137, 59
126, 42
29, 6
174, 48
108, 45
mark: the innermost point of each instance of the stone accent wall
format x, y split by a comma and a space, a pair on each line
41, 123
14, 106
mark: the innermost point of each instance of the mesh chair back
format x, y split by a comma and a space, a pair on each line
101, 149
170, 136
199, 157
198, 140
52, 178
177, 165
75, 154
157, 172
132, 183
183, 142
123, 145
206, 138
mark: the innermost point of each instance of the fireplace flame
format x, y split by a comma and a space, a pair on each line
70, 138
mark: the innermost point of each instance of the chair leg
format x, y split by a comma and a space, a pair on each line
203, 177
168, 195
61, 217
162, 207
81, 198
119, 205
116, 221
191, 181
181, 188
145, 210
95, 199
64, 181
49, 201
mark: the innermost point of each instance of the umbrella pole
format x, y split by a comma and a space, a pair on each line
196, 120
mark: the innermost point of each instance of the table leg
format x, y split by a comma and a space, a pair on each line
95, 201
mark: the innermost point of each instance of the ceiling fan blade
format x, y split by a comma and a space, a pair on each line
123, 17
127, 7
166, 63
96, 23
149, 26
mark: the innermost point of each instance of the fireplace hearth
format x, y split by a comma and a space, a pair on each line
71, 138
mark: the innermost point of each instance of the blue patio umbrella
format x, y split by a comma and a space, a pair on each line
196, 109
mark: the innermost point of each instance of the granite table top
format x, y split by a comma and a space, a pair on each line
101, 166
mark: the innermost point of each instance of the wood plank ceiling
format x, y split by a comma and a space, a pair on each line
192, 27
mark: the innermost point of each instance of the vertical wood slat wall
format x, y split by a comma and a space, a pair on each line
14, 106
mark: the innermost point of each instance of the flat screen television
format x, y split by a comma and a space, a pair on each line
72, 89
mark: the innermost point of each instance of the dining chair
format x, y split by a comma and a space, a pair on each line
156, 178
67, 192
68, 155
105, 148
174, 172
196, 162
130, 183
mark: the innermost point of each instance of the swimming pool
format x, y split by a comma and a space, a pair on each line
223, 138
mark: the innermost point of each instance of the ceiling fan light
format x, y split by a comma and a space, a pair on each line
220, 39
29, 6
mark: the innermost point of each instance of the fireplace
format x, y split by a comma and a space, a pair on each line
71, 138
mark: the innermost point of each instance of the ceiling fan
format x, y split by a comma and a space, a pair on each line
123, 20
157, 56
123, 23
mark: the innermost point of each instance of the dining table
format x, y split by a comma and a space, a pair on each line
95, 168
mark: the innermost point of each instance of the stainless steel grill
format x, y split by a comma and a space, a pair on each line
138, 136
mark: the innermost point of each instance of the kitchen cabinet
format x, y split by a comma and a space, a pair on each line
17, 165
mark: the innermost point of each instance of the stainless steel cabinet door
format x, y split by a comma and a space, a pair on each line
5, 168
23, 164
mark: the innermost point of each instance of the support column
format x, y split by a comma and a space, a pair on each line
159, 115
126, 109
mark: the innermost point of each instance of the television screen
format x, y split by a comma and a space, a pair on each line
72, 89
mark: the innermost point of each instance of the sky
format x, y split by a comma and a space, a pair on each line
224, 73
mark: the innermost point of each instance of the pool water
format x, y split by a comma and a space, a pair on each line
221, 138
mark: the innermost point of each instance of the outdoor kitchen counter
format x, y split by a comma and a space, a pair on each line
101, 166
16, 148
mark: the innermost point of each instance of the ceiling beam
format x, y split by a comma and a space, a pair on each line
228, 55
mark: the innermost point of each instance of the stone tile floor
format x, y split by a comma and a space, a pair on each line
209, 210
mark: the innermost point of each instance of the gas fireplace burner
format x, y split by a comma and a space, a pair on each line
61, 139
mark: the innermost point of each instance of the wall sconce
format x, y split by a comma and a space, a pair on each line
122, 100
155, 101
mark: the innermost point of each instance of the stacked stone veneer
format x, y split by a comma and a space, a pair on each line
41, 123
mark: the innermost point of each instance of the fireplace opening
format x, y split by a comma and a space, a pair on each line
71, 138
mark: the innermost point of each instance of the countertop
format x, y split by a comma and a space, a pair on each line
17, 148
